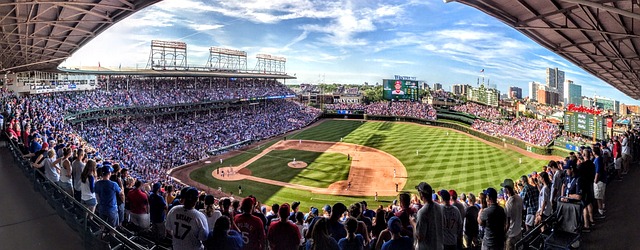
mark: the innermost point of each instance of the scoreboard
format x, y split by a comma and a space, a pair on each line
585, 124
400, 89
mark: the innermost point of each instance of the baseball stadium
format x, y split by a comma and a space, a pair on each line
188, 154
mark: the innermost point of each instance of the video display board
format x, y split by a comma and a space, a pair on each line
397, 89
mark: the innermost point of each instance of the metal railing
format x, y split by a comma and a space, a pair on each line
95, 232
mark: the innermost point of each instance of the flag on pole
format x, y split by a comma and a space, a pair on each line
120, 66
99, 65
482, 71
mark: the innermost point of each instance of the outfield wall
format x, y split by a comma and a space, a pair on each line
497, 140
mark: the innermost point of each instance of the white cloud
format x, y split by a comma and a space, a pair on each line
205, 27
465, 35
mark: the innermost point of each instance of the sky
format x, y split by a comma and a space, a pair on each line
343, 41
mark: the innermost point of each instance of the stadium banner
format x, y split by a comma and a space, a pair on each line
400, 89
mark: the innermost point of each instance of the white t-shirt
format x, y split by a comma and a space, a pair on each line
545, 195
188, 227
513, 209
211, 221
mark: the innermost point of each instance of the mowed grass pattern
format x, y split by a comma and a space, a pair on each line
446, 159
323, 169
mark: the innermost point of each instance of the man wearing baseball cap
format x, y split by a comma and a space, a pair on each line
283, 234
250, 225
187, 226
397, 241
513, 210
428, 233
452, 229
493, 220
106, 192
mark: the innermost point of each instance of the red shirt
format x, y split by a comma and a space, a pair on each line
283, 235
138, 201
617, 149
252, 231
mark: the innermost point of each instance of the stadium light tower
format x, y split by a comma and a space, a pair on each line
227, 59
167, 55
269, 64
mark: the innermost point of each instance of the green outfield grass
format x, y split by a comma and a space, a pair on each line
323, 169
446, 159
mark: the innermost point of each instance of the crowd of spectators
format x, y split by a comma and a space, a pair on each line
404, 109
479, 110
159, 91
532, 131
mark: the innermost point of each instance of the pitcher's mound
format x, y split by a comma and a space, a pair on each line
297, 164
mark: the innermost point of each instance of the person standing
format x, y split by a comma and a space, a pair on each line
493, 219
599, 182
452, 222
250, 226
139, 206
530, 197
513, 210
116, 177
106, 193
76, 171
87, 186
283, 234
209, 211
397, 241
353, 241
223, 237
428, 232
556, 183
320, 238
157, 211
471, 229
66, 177
185, 224
626, 154
544, 202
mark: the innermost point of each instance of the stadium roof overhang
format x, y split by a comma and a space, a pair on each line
601, 37
176, 73
39, 35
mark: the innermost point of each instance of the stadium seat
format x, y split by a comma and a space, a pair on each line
567, 228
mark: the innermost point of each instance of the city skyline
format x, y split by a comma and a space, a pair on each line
348, 42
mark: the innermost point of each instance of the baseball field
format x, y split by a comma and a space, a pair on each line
349, 161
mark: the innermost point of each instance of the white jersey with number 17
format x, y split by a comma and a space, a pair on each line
188, 227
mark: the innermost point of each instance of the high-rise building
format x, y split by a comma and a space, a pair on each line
607, 104
572, 93
555, 80
533, 91
460, 89
515, 93
546, 96
623, 110
437, 86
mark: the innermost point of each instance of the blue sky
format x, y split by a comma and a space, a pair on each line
352, 42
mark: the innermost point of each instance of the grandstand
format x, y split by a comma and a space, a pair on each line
220, 118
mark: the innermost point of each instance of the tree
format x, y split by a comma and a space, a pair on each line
373, 94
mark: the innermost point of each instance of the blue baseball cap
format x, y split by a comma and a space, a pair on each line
393, 226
